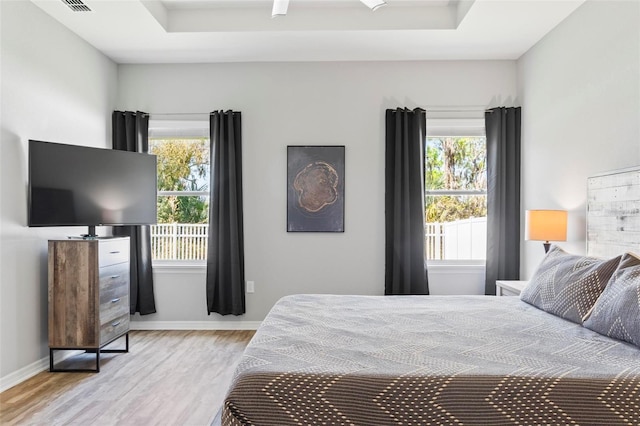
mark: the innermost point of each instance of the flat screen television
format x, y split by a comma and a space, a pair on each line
72, 185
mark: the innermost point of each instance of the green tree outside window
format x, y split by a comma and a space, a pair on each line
183, 165
455, 164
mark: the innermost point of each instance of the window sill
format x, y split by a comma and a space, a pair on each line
457, 262
180, 267
456, 266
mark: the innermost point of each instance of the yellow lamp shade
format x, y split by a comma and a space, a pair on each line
546, 225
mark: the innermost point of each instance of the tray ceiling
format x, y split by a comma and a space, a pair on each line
191, 31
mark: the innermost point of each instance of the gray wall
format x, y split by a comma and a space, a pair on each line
309, 103
580, 93
54, 87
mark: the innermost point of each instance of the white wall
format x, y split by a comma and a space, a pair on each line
579, 89
307, 103
55, 87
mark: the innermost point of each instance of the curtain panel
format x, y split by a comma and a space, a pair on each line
405, 264
130, 132
225, 255
503, 196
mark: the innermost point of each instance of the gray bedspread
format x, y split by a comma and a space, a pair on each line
422, 360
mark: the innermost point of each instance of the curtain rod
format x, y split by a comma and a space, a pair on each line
459, 110
177, 113
183, 114
454, 110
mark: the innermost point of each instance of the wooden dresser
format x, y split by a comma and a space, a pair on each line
88, 295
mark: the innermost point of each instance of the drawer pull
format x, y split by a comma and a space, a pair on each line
114, 252
115, 323
113, 277
116, 300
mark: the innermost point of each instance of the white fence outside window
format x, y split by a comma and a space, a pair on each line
179, 241
462, 239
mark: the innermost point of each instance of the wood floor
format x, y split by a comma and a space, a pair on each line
167, 378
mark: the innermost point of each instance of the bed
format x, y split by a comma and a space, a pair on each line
567, 353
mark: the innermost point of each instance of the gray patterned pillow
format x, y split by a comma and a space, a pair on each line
617, 312
568, 285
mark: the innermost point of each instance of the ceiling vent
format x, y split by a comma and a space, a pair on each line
77, 5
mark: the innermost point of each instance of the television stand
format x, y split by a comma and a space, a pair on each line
91, 235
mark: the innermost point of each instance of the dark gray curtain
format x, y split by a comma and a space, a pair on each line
405, 266
225, 257
503, 196
131, 133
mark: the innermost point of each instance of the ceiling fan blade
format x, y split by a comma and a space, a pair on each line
279, 8
373, 4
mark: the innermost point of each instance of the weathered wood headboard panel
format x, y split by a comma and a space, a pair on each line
613, 213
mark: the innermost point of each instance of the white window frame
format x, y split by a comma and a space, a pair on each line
186, 126
457, 127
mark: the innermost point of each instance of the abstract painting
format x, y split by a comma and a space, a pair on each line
315, 188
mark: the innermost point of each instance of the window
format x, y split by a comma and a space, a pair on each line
182, 150
456, 191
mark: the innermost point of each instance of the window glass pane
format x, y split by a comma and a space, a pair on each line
455, 226
182, 229
183, 209
456, 163
175, 241
183, 164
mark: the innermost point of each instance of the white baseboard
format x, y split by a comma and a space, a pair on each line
19, 376
194, 325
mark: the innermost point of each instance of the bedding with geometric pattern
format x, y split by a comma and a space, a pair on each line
420, 360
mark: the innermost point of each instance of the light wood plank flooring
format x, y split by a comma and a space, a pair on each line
167, 378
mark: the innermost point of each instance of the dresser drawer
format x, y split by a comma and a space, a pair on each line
114, 328
114, 292
114, 278
113, 251
114, 308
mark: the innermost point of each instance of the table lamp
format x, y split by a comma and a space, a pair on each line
546, 225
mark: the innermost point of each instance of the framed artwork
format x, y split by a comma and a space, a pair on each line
315, 188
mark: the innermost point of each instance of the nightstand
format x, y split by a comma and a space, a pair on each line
510, 287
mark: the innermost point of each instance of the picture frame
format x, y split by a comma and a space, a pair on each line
315, 188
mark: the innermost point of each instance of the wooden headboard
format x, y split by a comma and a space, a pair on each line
613, 213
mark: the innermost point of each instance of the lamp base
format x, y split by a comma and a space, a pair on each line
547, 246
